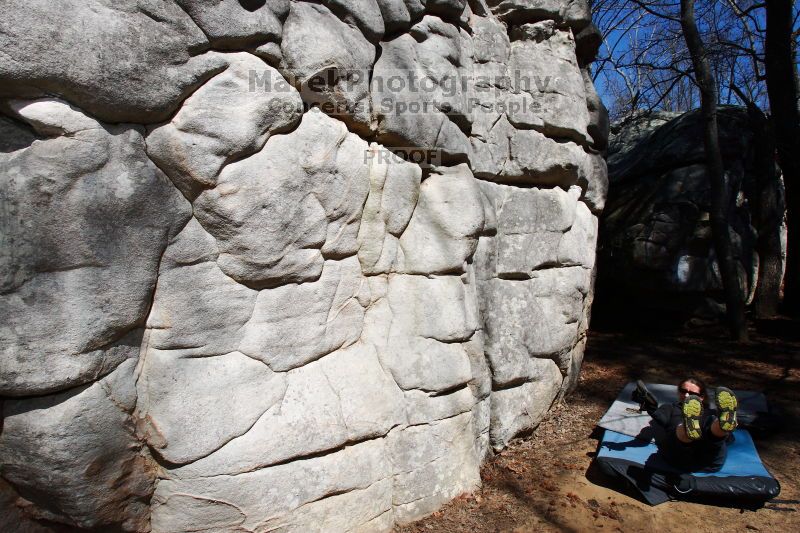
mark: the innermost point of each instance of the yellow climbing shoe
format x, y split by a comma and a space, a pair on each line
692, 416
727, 405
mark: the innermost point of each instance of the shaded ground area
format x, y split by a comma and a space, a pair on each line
546, 482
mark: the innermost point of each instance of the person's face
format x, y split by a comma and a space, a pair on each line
686, 388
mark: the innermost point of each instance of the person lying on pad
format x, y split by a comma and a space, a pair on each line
696, 436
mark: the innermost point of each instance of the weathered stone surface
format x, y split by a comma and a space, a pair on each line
426, 364
347, 393
268, 496
491, 43
446, 9
393, 195
186, 406
531, 225
358, 510
272, 314
597, 185
304, 190
576, 247
433, 463
443, 230
436, 308
533, 100
75, 457
199, 310
575, 361
14, 135
86, 219
330, 61
13, 518
287, 430
598, 114
236, 24
587, 43
560, 293
148, 64
521, 408
399, 14
192, 246
228, 118
294, 325
370, 402
540, 160
481, 382
417, 93
363, 14
423, 407
535, 268
554, 101
551, 318
481, 420
576, 13
508, 155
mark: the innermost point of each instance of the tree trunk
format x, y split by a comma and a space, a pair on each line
769, 209
720, 197
769, 213
782, 91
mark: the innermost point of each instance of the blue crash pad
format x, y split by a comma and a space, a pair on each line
743, 480
743, 459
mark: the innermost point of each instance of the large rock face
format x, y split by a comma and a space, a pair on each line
656, 250
285, 265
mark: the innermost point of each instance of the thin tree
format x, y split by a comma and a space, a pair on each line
720, 201
675, 51
768, 213
782, 90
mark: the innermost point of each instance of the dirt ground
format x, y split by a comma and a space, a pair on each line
546, 482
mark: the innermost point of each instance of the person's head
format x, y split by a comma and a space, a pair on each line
692, 385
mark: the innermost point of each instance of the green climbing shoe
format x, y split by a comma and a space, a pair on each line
726, 406
692, 416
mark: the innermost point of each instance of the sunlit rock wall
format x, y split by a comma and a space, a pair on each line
249, 282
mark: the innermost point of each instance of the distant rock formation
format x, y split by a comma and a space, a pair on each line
656, 251
286, 265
